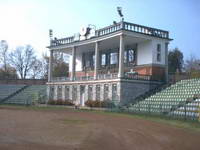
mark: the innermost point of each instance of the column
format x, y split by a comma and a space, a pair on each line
121, 57
63, 93
73, 63
166, 63
50, 66
96, 60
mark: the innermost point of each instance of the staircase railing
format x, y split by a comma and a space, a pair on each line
13, 94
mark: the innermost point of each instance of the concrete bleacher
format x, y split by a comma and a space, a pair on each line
190, 110
170, 99
29, 95
7, 90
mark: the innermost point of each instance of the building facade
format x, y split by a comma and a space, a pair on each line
118, 63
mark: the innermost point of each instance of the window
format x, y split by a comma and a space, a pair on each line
131, 55
59, 92
106, 91
98, 92
66, 92
103, 59
125, 56
88, 59
74, 93
114, 92
158, 52
113, 58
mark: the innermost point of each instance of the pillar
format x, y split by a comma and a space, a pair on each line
73, 63
96, 60
50, 66
63, 93
166, 63
121, 57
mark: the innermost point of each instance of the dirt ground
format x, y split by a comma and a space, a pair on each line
28, 129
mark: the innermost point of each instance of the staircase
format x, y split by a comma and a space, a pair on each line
30, 95
8, 90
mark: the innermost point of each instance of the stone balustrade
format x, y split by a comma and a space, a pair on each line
116, 27
105, 77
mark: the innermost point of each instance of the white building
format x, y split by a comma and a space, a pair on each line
118, 62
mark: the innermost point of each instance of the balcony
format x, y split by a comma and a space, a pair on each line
117, 27
128, 76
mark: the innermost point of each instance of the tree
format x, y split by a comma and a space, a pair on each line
10, 73
4, 53
175, 60
192, 66
60, 67
23, 60
37, 70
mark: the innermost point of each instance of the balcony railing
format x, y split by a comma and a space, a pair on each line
116, 27
106, 77
86, 78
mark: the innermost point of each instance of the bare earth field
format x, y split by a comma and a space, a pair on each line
53, 129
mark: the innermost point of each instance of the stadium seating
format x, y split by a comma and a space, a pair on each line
190, 110
29, 95
7, 90
170, 99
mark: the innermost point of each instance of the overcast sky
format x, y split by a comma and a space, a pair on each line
28, 21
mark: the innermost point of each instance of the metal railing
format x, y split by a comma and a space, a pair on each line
171, 109
116, 27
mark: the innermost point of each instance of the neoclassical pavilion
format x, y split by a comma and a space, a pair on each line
118, 62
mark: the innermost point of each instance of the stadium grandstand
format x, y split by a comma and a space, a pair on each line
180, 100
22, 94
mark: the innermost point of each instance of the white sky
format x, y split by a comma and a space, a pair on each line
28, 21
20, 26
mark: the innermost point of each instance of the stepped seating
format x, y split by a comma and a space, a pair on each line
170, 98
190, 110
7, 90
28, 95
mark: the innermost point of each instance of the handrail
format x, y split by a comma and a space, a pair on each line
13, 94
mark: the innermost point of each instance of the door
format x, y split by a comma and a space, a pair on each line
82, 96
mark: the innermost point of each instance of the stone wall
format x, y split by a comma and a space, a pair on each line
117, 90
132, 89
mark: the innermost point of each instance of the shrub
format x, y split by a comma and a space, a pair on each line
98, 103
107, 104
89, 103
68, 102
60, 102
51, 102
